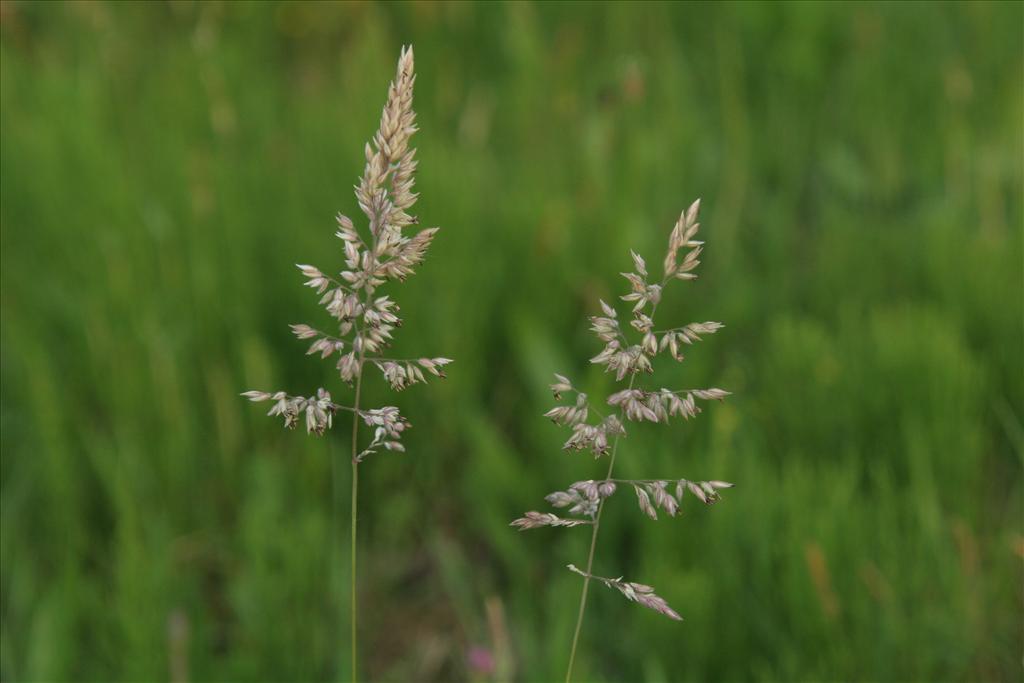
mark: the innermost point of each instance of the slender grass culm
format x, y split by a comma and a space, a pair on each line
600, 434
363, 318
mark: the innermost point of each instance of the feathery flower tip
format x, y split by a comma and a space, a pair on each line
366, 321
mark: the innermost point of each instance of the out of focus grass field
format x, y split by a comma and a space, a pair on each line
164, 165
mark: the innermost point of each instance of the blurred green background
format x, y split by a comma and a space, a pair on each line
164, 165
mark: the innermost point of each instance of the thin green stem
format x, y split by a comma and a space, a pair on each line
590, 559
355, 496
593, 537
355, 467
355, 511
335, 550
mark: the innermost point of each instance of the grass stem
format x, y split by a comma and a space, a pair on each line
590, 560
353, 601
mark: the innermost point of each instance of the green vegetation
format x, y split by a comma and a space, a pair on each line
163, 166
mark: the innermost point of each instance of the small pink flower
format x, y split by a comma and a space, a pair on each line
480, 660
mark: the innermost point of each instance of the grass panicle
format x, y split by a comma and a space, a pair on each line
629, 352
364, 319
